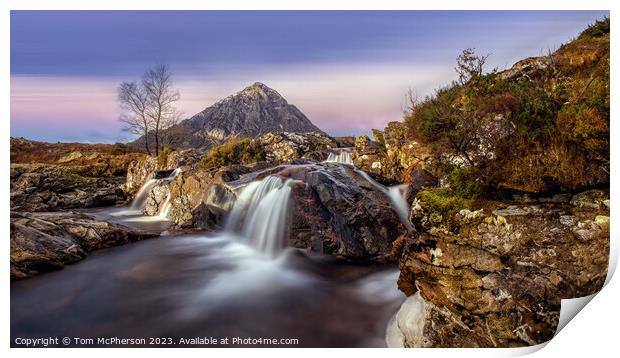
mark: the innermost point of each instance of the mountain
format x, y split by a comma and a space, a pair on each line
250, 113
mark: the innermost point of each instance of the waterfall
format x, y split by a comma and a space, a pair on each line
260, 214
164, 208
173, 175
398, 196
139, 202
342, 156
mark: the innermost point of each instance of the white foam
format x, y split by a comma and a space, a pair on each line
342, 156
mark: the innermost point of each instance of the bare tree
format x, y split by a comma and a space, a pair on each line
134, 101
469, 65
157, 83
151, 105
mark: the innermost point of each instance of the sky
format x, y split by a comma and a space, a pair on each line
348, 71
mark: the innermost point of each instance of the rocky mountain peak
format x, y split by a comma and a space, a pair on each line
249, 113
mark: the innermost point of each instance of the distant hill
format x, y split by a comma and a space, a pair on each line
252, 112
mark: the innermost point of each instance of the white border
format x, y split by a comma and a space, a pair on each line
592, 332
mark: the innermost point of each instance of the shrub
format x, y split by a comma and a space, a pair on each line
443, 202
243, 151
597, 29
542, 126
162, 157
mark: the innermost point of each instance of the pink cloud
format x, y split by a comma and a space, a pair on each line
337, 98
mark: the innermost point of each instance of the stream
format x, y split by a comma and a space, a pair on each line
240, 283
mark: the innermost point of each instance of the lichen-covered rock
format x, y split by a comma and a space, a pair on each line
283, 147
201, 198
149, 167
157, 198
391, 157
43, 242
139, 172
492, 280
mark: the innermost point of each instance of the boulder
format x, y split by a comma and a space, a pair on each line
43, 242
337, 211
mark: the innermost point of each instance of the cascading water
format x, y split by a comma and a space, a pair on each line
342, 156
398, 196
260, 214
173, 175
397, 193
139, 202
164, 208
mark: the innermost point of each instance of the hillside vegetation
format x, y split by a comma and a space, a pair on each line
541, 126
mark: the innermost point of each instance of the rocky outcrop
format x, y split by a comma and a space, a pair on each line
139, 172
57, 176
495, 277
391, 156
157, 198
44, 242
250, 113
149, 167
201, 198
45, 187
337, 211
281, 147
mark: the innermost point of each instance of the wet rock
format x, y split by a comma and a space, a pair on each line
497, 281
317, 156
43, 242
151, 167
45, 187
138, 173
339, 212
